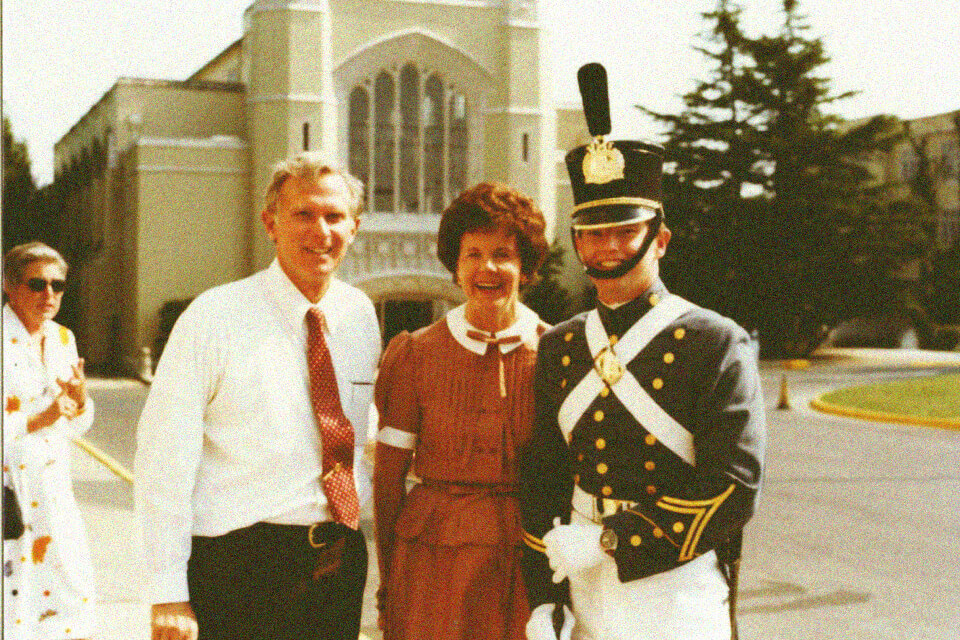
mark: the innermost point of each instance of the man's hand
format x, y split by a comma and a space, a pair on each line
540, 625
173, 621
571, 548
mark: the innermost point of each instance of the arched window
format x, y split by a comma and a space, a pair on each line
432, 111
457, 166
419, 138
384, 143
409, 140
359, 134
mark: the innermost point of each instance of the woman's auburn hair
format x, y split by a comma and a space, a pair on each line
490, 206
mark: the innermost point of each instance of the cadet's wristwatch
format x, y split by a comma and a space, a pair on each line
608, 541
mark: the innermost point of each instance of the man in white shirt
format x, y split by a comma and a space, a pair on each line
243, 534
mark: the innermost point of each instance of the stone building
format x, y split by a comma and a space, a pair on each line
936, 137
165, 179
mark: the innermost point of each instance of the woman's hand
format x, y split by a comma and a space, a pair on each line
62, 406
76, 386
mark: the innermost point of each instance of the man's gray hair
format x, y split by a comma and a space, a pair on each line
16, 260
310, 166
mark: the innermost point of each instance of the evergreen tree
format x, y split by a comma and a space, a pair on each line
766, 192
19, 191
546, 295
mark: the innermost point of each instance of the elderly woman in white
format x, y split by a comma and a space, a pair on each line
48, 578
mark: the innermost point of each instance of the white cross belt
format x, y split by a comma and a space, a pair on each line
628, 391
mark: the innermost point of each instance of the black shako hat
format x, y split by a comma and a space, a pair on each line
614, 182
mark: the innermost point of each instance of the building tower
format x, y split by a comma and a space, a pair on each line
291, 104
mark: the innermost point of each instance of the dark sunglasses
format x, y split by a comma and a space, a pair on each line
38, 285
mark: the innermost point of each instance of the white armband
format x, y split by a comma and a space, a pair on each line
397, 438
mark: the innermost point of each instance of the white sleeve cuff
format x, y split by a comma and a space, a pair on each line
170, 586
397, 438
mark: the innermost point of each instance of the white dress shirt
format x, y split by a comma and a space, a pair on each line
227, 437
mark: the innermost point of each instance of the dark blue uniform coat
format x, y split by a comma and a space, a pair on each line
702, 370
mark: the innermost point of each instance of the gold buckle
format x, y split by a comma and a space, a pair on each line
608, 366
315, 545
603, 507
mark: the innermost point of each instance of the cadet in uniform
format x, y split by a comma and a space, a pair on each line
647, 453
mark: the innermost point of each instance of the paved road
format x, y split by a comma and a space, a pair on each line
857, 537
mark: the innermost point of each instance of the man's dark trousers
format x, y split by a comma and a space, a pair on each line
277, 582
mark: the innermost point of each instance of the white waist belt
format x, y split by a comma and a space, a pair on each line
586, 505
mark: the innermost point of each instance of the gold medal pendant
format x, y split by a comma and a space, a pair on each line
608, 366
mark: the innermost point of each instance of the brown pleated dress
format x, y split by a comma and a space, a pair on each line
450, 549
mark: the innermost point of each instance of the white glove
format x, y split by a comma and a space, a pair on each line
540, 624
571, 548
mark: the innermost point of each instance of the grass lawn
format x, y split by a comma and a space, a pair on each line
933, 397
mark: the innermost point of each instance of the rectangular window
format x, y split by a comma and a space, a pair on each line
306, 136
909, 164
525, 144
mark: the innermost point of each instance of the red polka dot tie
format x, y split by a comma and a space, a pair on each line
336, 432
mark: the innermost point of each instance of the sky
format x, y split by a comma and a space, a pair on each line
902, 56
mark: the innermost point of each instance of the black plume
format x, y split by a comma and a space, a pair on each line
596, 104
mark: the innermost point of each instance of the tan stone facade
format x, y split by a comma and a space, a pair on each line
415, 102
937, 137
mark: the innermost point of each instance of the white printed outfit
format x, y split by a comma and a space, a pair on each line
48, 577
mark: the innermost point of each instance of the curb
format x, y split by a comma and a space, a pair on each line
821, 405
105, 459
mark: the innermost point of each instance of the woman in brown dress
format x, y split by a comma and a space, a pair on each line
458, 394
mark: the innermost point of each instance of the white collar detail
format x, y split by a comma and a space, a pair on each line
525, 326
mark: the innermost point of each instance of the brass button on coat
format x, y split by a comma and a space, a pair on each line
649, 465
668, 357
602, 468
601, 443
657, 383
650, 439
598, 416
606, 491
